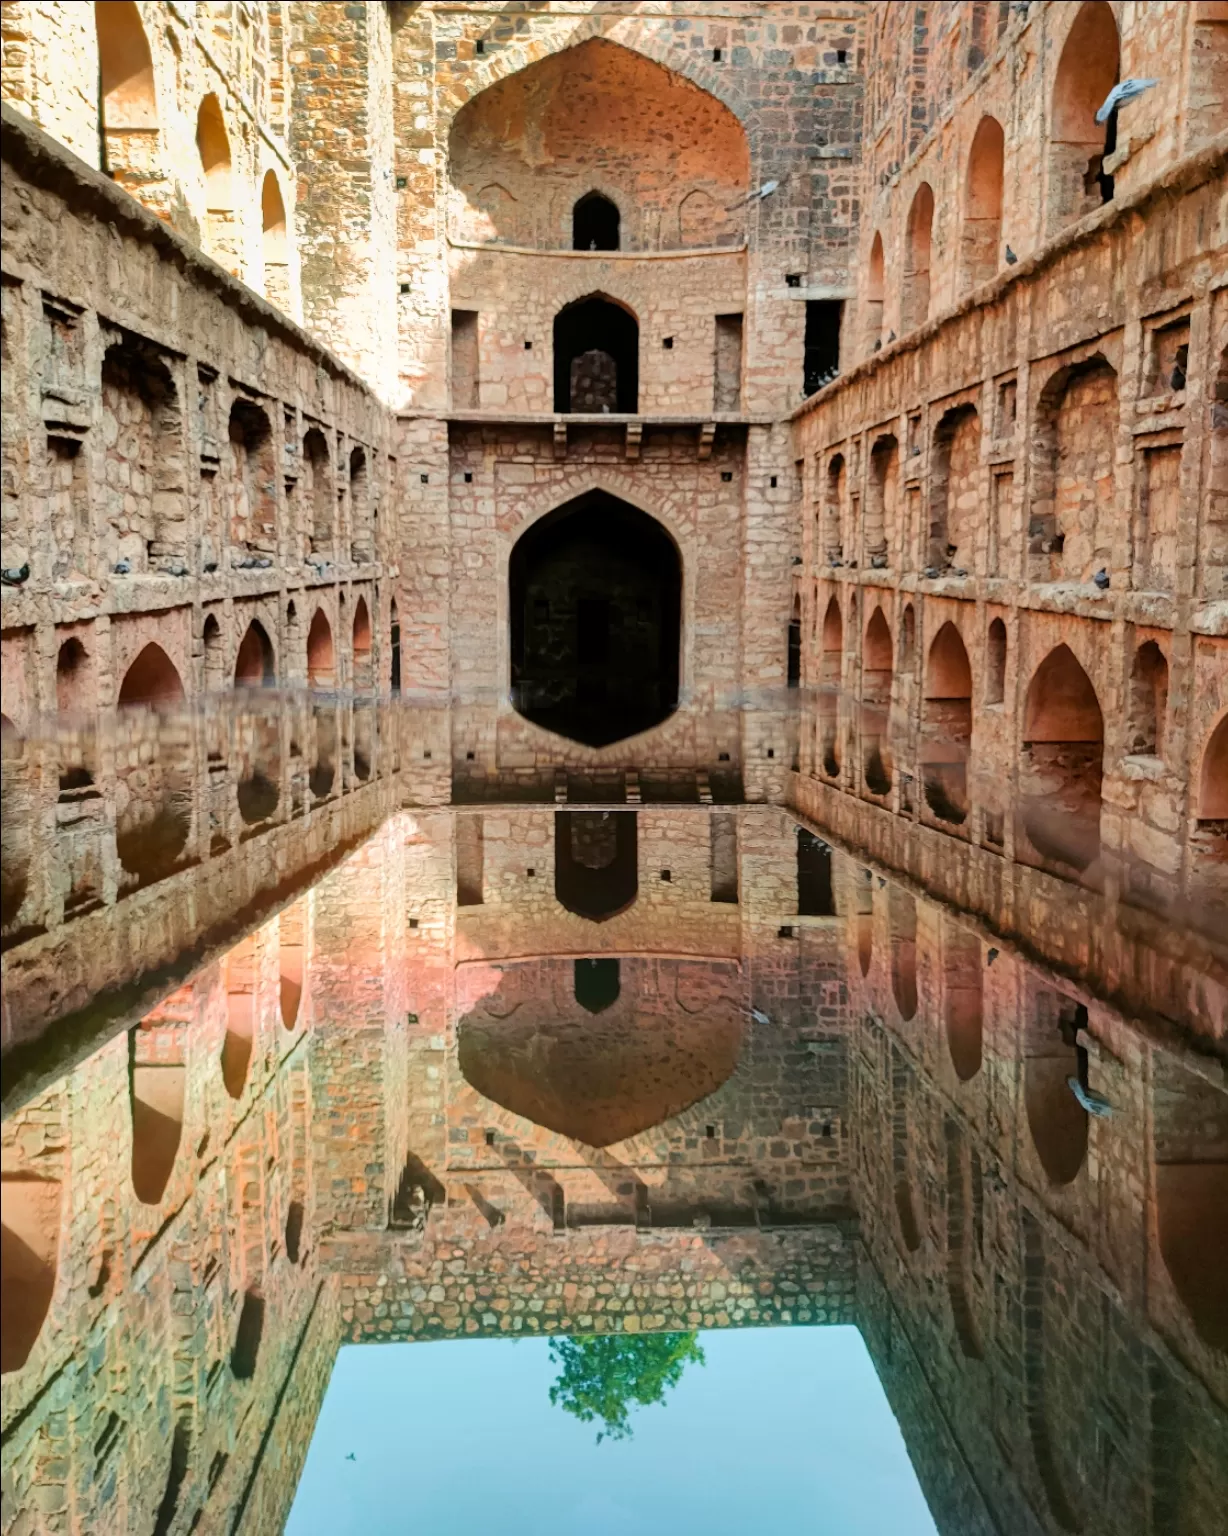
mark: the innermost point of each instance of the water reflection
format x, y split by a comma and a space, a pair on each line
514, 1069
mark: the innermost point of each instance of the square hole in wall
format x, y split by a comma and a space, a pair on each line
402, 183
722, 757
793, 279
479, 48
772, 482
426, 756
528, 346
710, 1132
531, 873
404, 287
668, 343
426, 479
490, 1138
842, 55
470, 756
413, 922
716, 55
726, 475
786, 932
667, 875
1168, 358
771, 752
468, 477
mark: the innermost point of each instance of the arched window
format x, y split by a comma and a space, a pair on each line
151, 679
143, 478
276, 242
833, 516
1062, 762
594, 224
1056, 1119
1148, 701
361, 543
963, 988
254, 664
596, 872
127, 106
76, 699
394, 647
831, 671
319, 473
982, 232
1073, 479
948, 726
995, 662
918, 238
876, 672
213, 145
596, 357
1078, 145
252, 482
881, 495
362, 646
321, 661
902, 924
875, 283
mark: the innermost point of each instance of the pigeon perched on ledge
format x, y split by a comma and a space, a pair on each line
13, 576
1011, 258
1102, 579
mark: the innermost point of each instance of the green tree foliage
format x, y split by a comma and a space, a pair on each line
603, 1376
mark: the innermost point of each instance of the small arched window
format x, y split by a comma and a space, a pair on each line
275, 241
874, 297
595, 224
127, 103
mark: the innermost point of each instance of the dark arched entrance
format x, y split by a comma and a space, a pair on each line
596, 357
596, 609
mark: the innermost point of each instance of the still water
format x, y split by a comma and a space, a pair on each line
384, 1153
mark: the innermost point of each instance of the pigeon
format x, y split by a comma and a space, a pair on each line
878, 344
1102, 578
210, 566
931, 572
1176, 379
759, 1016
1011, 258
882, 884
1094, 1103
1122, 92
991, 954
350, 1456
767, 189
890, 338
123, 568
13, 576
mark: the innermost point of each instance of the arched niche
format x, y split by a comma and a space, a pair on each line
876, 674
29, 1254
955, 487
1074, 508
1190, 1131
154, 775
596, 357
275, 240
995, 662
362, 521
831, 674
596, 118
947, 719
1087, 70
874, 293
15, 827
238, 1043
248, 1336
882, 495
597, 983
76, 696
320, 492
865, 920
128, 103
290, 946
982, 229
595, 221
213, 146
1148, 701
255, 665
142, 496
595, 602
918, 241
252, 482
595, 865
321, 656
1061, 765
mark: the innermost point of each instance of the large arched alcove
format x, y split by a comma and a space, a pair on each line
982, 231
948, 726
596, 357
1061, 765
1057, 1122
153, 783
918, 243
597, 115
595, 603
669, 1037
1078, 145
128, 106
876, 672
156, 1088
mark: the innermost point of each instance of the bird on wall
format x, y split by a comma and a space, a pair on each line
1122, 92
13, 576
1011, 258
1102, 579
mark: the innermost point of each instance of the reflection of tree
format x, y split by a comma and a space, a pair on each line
604, 1376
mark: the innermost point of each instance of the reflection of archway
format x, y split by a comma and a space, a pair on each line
1190, 1120
29, 1245
595, 867
1052, 1055
603, 1077
254, 665
902, 918
594, 224
876, 672
964, 990
154, 824
865, 920
596, 611
596, 357
156, 1090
